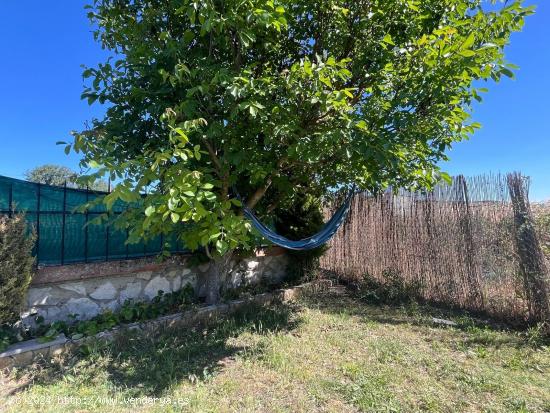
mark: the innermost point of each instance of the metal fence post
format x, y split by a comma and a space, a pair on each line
38, 224
63, 223
107, 238
127, 246
10, 201
86, 226
107, 226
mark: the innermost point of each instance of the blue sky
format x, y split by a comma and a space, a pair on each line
42, 49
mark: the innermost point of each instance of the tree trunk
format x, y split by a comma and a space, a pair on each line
219, 266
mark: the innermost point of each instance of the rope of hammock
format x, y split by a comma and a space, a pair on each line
309, 243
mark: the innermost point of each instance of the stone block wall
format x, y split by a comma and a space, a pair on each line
88, 289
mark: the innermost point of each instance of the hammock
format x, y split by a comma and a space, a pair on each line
309, 243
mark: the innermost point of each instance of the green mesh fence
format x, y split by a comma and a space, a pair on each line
64, 235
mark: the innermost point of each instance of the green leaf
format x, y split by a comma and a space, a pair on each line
91, 98
175, 217
126, 194
487, 46
191, 14
234, 91
221, 246
182, 135
467, 53
215, 236
188, 37
210, 196
236, 202
388, 39
150, 210
468, 42
507, 72
326, 81
446, 178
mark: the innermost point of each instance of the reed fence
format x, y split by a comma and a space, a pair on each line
470, 244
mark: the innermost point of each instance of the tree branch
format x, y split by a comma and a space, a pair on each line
213, 157
222, 174
260, 192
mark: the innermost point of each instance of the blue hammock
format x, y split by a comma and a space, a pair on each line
315, 241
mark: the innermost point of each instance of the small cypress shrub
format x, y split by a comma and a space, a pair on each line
16, 266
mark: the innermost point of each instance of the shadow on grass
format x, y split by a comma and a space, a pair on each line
470, 330
149, 365
142, 365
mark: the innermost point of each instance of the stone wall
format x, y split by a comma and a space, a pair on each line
26, 352
88, 289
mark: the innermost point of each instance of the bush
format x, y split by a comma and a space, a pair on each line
16, 266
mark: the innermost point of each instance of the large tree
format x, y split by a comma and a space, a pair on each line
59, 175
279, 98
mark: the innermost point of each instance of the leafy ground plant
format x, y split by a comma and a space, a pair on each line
328, 353
131, 311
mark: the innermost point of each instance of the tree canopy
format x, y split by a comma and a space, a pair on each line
279, 98
59, 175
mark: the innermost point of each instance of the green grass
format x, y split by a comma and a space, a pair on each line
326, 353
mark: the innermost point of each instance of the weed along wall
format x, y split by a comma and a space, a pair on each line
88, 289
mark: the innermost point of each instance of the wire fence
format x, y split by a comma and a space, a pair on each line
65, 235
471, 244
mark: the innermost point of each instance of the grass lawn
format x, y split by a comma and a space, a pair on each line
328, 352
